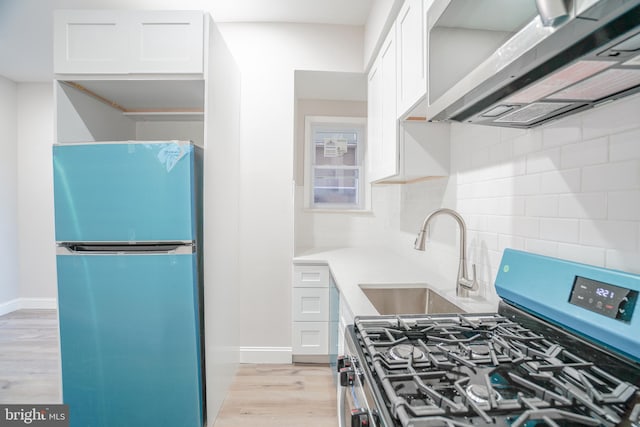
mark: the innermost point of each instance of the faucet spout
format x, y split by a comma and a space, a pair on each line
463, 283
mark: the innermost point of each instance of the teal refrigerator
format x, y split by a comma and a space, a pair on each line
128, 226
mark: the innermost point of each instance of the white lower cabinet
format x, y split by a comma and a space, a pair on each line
310, 305
315, 311
310, 338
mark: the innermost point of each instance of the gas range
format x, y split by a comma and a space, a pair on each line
510, 368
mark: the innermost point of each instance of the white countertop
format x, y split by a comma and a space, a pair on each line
351, 267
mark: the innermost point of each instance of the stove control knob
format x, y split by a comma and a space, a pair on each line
360, 418
347, 376
344, 362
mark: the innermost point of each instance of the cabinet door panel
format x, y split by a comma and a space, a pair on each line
314, 276
167, 42
310, 338
310, 304
412, 84
89, 42
389, 161
128, 42
383, 127
374, 122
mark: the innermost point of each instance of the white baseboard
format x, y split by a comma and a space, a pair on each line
28, 303
9, 306
39, 303
278, 355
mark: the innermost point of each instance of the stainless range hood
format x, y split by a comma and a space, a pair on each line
579, 54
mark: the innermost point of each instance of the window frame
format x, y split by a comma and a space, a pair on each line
364, 188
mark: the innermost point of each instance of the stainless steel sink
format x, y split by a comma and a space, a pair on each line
407, 299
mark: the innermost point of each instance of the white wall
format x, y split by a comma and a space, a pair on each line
9, 286
324, 229
267, 55
35, 195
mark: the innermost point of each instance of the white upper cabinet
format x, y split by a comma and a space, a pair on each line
128, 42
383, 122
403, 148
411, 43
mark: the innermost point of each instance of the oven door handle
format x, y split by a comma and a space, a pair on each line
342, 395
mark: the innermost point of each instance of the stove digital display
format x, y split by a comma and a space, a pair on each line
602, 298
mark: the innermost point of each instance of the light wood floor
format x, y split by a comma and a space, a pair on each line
261, 395
280, 396
29, 357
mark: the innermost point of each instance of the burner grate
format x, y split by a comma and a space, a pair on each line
470, 370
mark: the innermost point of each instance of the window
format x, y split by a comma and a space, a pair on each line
334, 163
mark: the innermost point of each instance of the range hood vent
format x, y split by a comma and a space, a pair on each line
590, 56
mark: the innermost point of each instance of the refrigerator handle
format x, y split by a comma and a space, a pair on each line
120, 248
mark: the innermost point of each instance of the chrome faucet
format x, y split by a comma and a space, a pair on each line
463, 284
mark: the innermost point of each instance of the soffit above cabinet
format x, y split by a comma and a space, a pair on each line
148, 99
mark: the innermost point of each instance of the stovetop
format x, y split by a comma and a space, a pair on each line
486, 370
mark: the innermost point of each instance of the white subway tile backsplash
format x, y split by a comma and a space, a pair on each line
623, 260
584, 254
477, 222
585, 153
612, 118
611, 176
502, 224
542, 206
560, 230
569, 189
501, 152
487, 240
507, 134
480, 158
526, 226
624, 205
543, 161
583, 205
528, 142
622, 235
542, 247
562, 132
513, 242
557, 182
525, 184
625, 146
499, 206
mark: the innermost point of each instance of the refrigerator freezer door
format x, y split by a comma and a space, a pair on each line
125, 192
130, 340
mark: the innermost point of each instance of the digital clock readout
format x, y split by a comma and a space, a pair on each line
609, 300
606, 293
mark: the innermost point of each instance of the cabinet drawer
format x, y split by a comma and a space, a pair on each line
310, 304
310, 337
314, 276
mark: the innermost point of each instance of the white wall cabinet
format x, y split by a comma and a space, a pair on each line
128, 42
411, 49
383, 122
402, 151
315, 302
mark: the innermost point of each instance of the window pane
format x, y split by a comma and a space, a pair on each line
336, 186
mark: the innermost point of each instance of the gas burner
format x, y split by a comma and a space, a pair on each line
480, 393
404, 351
